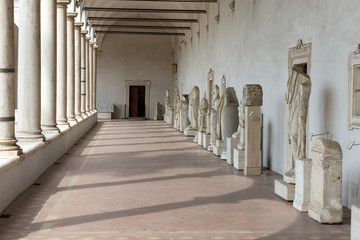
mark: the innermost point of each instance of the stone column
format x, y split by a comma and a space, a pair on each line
48, 66
61, 88
87, 102
78, 70
94, 76
70, 109
83, 74
8, 141
29, 73
91, 63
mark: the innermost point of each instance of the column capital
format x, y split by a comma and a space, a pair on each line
84, 31
91, 43
88, 38
62, 2
79, 24
96, 46
72, 15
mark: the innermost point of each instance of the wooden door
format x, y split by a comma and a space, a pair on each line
133, 108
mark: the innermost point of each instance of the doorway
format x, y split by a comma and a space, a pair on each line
137, 101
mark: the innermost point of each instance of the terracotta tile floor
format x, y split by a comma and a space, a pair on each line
144, 180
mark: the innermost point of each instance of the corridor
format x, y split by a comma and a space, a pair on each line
145, 180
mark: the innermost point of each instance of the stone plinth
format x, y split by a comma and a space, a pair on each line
200, 138
239, 159
326, 182
285, 190
190, 132
218, 148
232, 142
206, 140
302, 187
252, 141
355, 222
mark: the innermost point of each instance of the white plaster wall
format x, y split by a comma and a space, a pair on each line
251, 45
129, 57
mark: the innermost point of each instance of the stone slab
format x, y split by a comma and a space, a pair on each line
239, 159
231, 145
206, 140
218, 150
200, 138
104, 115
190, 133
355, 222
285, 190
303, 186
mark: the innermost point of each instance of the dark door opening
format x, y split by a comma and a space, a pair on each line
137, 101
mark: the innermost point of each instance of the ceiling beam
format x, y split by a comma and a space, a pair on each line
143, 19
144, 10
206, 1
142, 33
141, 27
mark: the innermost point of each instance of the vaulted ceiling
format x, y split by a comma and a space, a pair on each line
144, 17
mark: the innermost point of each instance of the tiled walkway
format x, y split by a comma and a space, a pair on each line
144, 180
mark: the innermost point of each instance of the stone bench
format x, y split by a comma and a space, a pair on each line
105, 110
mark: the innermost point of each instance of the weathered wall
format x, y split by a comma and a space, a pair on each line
251, 45
128, 57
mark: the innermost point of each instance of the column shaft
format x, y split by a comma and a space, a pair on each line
91, 63
94, 76
61, 88
87, 103
48, 66
83, 74
78, 71
70, 110
29, 73
8, 141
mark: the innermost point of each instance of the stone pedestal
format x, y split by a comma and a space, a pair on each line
206, 140
218, 148
326, 182
190, 132
239, 159
253, 141
200, 138
285, 190
231, 123
302, 187
355, 222
232, 142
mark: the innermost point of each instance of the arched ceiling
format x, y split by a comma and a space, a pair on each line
146, 17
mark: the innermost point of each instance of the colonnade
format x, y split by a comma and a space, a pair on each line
56, 72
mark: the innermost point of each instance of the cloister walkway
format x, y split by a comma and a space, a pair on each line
144, 180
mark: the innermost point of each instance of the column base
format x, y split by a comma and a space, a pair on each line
10, 149
52, 130
84, 115
89, 114
30, 136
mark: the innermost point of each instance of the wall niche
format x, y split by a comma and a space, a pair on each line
354, 90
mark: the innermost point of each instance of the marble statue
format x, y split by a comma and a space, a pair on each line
213, 117
203, 109
194, 98
216, 97
167, 105
176, 110
297, 99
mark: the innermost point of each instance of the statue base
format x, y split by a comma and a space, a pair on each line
285, 190
239, 159
303, 185
218, 148
200, 138
190, 132
206, 140
231, 145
